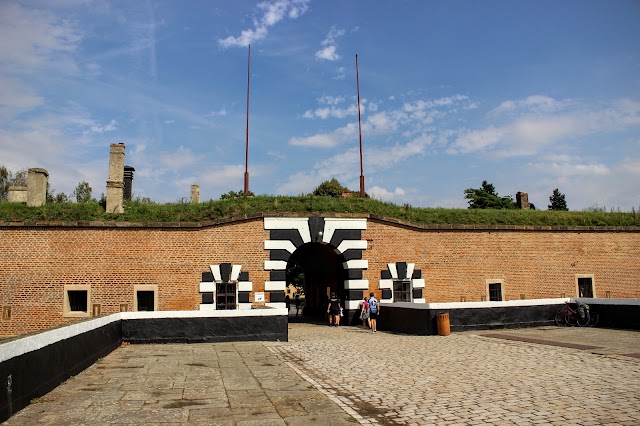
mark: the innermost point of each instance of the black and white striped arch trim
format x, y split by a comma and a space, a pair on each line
402, 271
343, 234
225, 273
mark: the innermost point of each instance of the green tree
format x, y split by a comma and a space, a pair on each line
8, 179
5, 174
82, 193
61, 198
558, 201
20, 178
486, 197
330, 188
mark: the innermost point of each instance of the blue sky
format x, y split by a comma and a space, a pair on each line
529, 95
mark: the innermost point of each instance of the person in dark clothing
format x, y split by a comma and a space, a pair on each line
297, 304
333, 309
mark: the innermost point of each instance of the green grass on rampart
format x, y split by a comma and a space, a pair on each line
238, 207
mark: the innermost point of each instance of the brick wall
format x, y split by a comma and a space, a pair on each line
37, 261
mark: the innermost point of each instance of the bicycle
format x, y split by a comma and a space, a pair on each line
570, 316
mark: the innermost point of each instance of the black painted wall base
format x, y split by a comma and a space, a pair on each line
421, 320
206, 329
33, 374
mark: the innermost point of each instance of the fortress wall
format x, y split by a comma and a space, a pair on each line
36, 262
538, 264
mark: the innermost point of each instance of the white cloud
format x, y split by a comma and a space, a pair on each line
272, 13
385, 195
333, 112
331, 100
179, 159
35, 38
632, 166
550, 122
113, 125
329, 51
412, 117
341, 73
16, 97
534, 103
220, 113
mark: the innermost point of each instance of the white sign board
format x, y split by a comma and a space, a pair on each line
258, 296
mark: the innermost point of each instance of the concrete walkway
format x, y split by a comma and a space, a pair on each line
346, 375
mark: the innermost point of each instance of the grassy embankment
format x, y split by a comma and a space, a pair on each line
238, 207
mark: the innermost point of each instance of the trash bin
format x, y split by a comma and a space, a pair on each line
444, 328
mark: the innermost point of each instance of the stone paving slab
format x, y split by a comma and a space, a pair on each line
346, 376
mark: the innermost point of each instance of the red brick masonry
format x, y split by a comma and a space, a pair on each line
38, 259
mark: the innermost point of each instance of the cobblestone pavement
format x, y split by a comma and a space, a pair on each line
467, 378
346, 375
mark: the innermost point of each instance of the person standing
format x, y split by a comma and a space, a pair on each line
364, 312
374, 311
297, 300
287, 302
333, 309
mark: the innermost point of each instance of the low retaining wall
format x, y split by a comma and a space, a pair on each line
193, 327
31, 366
616, 313
421, 319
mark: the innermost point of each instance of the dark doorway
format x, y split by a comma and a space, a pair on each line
146, 300
585, 287
323, 273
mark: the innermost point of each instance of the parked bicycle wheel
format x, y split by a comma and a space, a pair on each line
560, 318
582, 321
593, 319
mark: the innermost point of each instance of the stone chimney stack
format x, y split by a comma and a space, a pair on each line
195, 194
115, 184
128, 182
37, 187
522, 200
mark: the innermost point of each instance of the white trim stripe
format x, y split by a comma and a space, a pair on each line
410, 267
352, 245
356, 284
279, 245
352, 304
393, 270
355, 264
417, 283
245, 286
215, 270
301, 224
385, 284
207, 287
235, 272
278, 305
275, 285
331, 224
275, 265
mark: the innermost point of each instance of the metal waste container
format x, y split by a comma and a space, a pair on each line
444, 328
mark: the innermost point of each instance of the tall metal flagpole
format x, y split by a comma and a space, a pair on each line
362, 194
246, 168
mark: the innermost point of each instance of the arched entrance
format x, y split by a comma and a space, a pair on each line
324, 272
